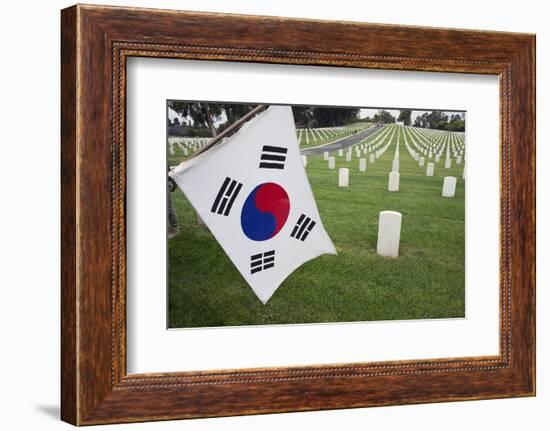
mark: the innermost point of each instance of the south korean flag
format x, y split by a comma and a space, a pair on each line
253, 194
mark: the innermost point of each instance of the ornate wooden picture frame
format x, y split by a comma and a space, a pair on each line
96, 41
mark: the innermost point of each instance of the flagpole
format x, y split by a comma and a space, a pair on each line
236, 125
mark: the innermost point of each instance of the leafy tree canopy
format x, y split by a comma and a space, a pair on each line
319, 116
405, 116
383, 116
440, 121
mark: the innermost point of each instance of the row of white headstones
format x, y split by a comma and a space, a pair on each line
420, 145
186, 145
376, 150
326, 133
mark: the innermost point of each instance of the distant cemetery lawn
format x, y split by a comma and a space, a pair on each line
320, 136
425, 281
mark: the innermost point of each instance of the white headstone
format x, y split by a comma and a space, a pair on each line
362, 165
447, 163
393, 183
464, 173
348, 156
395, 165
371, 158
304, 161
459, 160
331, 162
421, 161
340, 152
389, 233
437, 157
430, 170
325, 155
343, 177
449, 187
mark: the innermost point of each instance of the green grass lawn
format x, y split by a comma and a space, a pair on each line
425, 281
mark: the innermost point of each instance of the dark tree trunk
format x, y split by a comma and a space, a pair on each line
209, 120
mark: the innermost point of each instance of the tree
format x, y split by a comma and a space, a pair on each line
455, 117
419, 121
319, 116
432, 120
332, 117
235, 111
456, 126
405, 116
202, 114
437, 120
383, 116
302, 115
208, 115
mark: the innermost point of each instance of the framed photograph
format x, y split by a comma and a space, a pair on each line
259, 216
361, 164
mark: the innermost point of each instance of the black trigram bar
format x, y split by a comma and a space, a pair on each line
261, 261
273, 157
226, 196
302, 228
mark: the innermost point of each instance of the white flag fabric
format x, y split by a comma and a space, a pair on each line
253, 194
